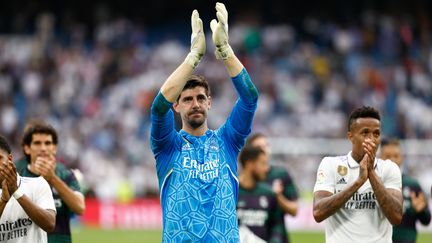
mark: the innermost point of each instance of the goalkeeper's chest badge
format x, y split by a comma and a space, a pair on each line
342, 170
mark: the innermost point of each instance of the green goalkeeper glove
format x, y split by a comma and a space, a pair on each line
220, 33
198, 45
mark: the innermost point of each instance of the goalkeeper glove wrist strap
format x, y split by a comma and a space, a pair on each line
193, 59
223, 52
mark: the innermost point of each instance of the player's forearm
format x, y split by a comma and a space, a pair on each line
245, 88
233, 65
324, 207
288, 206
44, 218
390, 204
174, 84
73, 199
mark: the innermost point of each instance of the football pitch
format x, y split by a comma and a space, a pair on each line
89, 235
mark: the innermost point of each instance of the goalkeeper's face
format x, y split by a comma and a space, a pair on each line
193, 105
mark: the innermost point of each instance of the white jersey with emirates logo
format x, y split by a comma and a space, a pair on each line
15, 225
361, 218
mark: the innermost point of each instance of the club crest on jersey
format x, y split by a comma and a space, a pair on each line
263, 202
342, 170
241, 203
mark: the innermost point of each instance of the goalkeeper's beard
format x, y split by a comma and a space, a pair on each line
196, 122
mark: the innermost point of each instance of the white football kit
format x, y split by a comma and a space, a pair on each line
361, 218
15, 225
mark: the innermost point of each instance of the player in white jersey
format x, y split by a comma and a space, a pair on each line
26, 204
357, 194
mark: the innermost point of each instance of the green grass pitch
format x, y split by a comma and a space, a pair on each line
89, 235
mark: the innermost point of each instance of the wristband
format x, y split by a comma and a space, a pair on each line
18, 193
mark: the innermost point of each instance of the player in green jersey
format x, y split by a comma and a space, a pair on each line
40, 146
415, 203
257, 209
279, 179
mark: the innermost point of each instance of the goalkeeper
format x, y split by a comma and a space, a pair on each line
196, 166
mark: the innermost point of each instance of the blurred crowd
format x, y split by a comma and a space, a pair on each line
97, 91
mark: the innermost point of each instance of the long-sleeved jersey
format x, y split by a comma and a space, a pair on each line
198, 174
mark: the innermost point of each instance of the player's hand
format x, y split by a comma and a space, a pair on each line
369, 148
277, 186
198, 45
5, 195
220, 33
364, 174
418, 201
8, 172
45, 166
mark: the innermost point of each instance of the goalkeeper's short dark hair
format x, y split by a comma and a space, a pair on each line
196, 81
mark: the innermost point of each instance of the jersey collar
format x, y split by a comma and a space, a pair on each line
354, 164
194, 139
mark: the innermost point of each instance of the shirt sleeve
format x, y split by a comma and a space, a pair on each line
43, 195
69, 178
325, 177
241, 116
392, 175
239, 123
162, 132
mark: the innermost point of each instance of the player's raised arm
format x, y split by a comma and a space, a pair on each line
223, 50
174, 84
242, 82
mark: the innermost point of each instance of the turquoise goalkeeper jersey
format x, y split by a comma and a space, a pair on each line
198, 175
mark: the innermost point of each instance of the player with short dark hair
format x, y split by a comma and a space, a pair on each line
27, 208
279, 179
260, 218
197, 166
39, 144
363, 112
415, 203
358, 194
197, 81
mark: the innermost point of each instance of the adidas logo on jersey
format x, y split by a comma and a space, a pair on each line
342, 181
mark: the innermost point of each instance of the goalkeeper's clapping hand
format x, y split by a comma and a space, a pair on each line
198, 45
220, 33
